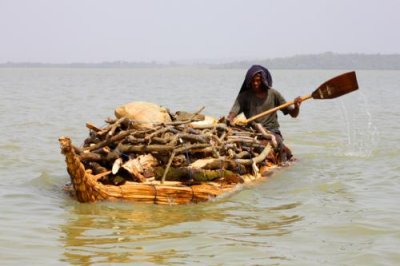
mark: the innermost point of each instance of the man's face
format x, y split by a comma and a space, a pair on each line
256, 83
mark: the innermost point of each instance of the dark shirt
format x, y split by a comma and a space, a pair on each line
248, 103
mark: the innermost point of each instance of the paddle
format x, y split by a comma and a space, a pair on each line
330, 89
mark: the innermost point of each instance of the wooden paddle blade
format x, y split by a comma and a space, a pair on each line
337, 86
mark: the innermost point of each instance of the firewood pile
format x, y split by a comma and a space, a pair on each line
186, 149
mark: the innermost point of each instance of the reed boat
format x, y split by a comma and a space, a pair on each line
87, 188
221, 155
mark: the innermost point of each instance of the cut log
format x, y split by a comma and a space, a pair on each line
266, 134
220, 163
189, 120
116, 138
116, 165
187, 173
168, 166
158, 132
147, 161
97, 168
184, 116
115, 126
91, 157
92, 127
159, 148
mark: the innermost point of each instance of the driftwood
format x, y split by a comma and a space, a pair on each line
108, 141
184, 116
168, 166
97, 168
267, 135
187, 174
92, 127
135, 169
91, 157
177, 150
115, 126
191, 118
193, 158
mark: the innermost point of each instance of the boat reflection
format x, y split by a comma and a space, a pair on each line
119, 232
133, 233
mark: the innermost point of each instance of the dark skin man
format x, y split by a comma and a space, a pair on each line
256, 82
256, 86
256, 96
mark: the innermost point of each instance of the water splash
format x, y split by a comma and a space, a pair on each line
361, 134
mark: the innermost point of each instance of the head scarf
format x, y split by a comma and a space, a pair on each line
253, 70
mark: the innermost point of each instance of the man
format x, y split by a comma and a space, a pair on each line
257, 95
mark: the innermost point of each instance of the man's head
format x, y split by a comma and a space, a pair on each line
257, 83
257, 79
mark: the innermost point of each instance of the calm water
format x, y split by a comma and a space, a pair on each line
339, 205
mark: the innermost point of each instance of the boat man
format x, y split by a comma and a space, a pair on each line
256, 96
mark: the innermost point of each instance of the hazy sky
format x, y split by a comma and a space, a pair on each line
58, 31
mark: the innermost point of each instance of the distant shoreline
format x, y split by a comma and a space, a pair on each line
317, 61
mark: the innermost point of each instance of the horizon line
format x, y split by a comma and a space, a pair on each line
183, 62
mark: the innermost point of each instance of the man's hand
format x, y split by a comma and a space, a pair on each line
296, 110
230, 117
237, 120
297, 102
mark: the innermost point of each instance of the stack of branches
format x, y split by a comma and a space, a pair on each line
180, 150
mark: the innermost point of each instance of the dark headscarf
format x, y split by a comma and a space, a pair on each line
253, 70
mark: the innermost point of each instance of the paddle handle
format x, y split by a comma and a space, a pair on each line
270, 111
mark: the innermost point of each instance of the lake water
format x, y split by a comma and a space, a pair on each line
338, 205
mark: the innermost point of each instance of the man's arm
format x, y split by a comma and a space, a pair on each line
294, 112
236, 109
231, 116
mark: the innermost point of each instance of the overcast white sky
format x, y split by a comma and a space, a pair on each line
58, 31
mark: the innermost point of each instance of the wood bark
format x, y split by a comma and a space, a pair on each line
230, 150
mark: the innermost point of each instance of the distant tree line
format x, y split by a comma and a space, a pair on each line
318, 61
326, 61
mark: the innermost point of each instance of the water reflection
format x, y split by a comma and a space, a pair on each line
265, 222
119, 232
136, 233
